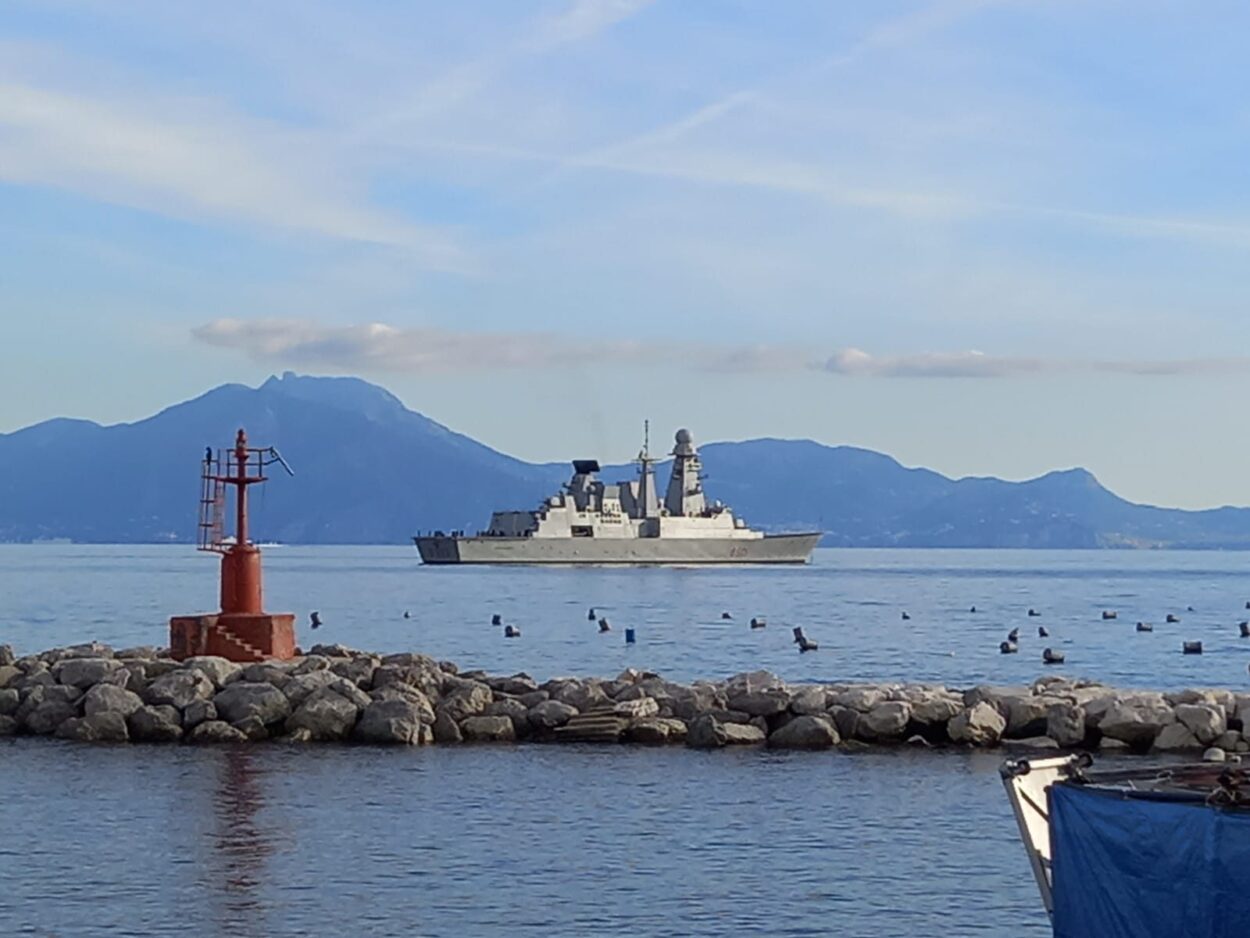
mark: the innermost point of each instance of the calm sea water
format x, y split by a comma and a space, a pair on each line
538, 840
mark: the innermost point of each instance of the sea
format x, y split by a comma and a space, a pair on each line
578, 840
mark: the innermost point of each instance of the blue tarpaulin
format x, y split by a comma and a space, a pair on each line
1134, 867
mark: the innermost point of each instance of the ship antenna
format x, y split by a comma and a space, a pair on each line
646, 437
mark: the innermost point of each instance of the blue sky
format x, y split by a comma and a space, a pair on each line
986, 237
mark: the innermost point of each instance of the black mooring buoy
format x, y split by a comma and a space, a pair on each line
1013, 635
1034, 612
906, 617
1007, 648
758, 622
590, 615
1050, 656
1191, 648
629, 636
1041, 632
496, 619
725, 615
604, 625
1109, 614
407, 614
1173, 619
1245, 629
314, 620
511, 631
1145, 627
804, 643
973, 609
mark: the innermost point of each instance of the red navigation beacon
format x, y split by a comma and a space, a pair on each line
242, 631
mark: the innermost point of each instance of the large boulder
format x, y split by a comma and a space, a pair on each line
1027, 715
887, 720
656, 731
638, 709
395, 721
359, 670
45, 717
706, 732
487, 729
805, 732
300, 687
216, 731
9, 726
1136, 722
584, 695
155, 724
218, 670
9, 674
861, 699
515, 685
809, 701
1176, 737
691, 702
84, 650
446, 730
106, 726
759, 693
197, 712
515, 711
1065, 724
105, 698
325, 714
549, 714
467, 699
6, 655
10, 699
1204, 721
408, 693
980, 725
265, 672
934, 708
84, 672
243, 699
179, 688
418, 671
743, 734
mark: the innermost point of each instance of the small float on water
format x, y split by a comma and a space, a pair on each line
1136, 853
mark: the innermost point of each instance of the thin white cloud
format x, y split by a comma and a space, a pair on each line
378, 347
185, 159
582, 20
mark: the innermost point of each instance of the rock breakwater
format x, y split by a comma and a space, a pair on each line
92, 693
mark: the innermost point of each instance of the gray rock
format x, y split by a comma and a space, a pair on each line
6, 655
358, 670
9, 726
706, 732
1206, 722
550, 714
1136, 723
743, 734
1227, 740
584, 695
243, 699
264, 672
197, 712
805, 732
980, 725
1109, 744
468, 699
179, 688
85, 650
809, 701
1031, 742
1065, 724
861, 699
656, 731
487, 729
216, 731
425, 676
253, 728
887, 720
516, 685
408, 693
446, 730
515, 711
393, 722
935, 709
158, 724
47, 716
638, 709
333, 650
84, 672
533, 698
218, 670
139, 652
300, 687
9, 701
107, 697
689, 703
846, 720
1027, 716
158, 668
1174, 737
311, 664
1214, 754
760, 703
9, 674
107, 726
325, 714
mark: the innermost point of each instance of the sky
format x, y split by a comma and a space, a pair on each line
990, 238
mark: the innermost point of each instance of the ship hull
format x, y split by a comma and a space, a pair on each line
667, 551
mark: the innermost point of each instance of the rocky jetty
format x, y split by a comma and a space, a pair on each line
92, 693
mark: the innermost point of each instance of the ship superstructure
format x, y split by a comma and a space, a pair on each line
592, 521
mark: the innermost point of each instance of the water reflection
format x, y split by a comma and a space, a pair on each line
241, 843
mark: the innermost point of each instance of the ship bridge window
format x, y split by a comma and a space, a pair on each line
583, 530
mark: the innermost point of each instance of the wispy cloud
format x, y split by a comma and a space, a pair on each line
191, 160
378, 347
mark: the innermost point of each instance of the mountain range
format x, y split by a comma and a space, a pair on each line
368, 471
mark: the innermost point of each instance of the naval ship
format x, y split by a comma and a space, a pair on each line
593, 522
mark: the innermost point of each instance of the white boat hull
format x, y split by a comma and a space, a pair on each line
666, 551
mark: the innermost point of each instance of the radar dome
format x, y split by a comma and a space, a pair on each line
683, 436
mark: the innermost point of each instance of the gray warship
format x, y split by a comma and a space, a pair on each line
593, 522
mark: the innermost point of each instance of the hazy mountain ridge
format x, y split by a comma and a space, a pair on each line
368, 470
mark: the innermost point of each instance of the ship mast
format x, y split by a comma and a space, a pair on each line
648, 503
